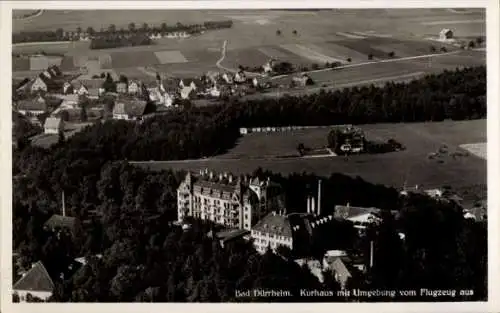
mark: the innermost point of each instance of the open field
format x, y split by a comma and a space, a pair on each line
323, 35
412, 165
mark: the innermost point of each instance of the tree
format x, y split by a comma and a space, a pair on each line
112, 28
83, 114
59, 33
278, 32
349, 60
123, 79
78, 30
131, 27
432, 48
391, 54
443, 49
471, 44
145, 27
295, 32
479, 40
61, 138
90, 31
163, 27
370, 56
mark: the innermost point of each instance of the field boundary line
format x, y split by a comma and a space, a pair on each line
374, 62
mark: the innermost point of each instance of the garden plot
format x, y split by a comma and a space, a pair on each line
170, 56
135, 58
343, 53
363, 47
273, 53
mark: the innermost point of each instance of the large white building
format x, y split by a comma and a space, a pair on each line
236, 202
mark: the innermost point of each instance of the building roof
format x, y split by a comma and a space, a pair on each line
59, 221
274, 224
340, 267
52, 122
347, 211
36, 279
131, 107
231, 234
37, 104
219, 186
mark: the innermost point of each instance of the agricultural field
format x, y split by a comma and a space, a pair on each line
412, 165
306, 38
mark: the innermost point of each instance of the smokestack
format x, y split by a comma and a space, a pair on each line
313, 205
63, 205
319, 197
371, 254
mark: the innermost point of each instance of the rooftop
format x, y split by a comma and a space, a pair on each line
274, 224
59, 221
36, 279
131, 107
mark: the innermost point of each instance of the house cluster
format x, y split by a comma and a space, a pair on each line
211, 85
37, 282
254, 209
473, 211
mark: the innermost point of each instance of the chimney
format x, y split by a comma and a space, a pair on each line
319, 197
63, 205
371, 254
313, 205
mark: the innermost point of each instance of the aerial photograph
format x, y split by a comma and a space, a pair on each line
264, 155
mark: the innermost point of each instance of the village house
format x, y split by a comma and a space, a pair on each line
68, 88
446, 34
121, 87
90, 88
187, 92
130, 109
32, 107
272, 231
53, 125
342, 266
360, 216
240, 77
268, 67
61, 222
302, 80
34, 283
227, 78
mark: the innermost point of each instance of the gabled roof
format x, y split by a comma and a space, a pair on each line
274, 224
131, 107
59, 221
37, 104
52, 122
345, 212
36, 279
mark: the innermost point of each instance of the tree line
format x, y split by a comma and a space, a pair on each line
111, 31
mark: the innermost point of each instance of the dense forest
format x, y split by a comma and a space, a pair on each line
146, 258
109, 42
127, 211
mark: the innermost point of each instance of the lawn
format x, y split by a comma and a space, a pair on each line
411, 165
